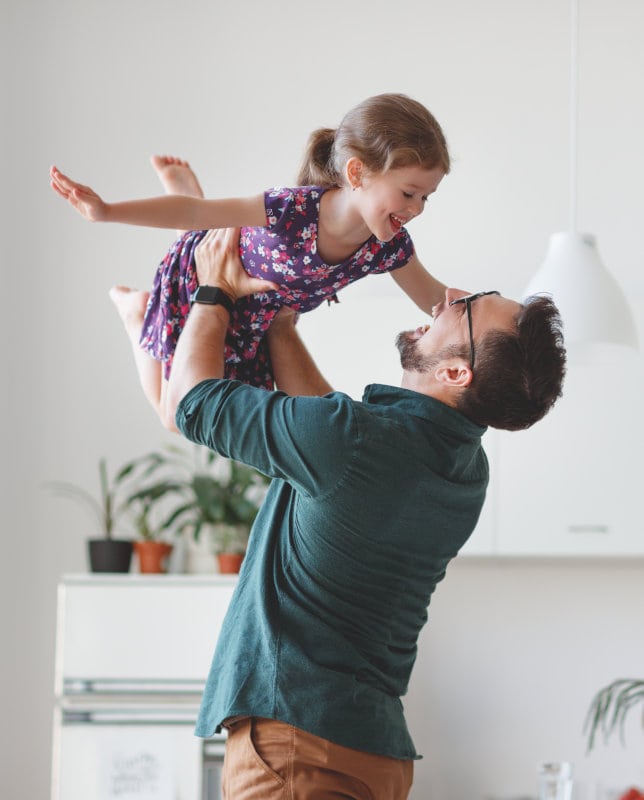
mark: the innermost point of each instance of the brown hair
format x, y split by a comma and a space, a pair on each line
518, 377
385, 132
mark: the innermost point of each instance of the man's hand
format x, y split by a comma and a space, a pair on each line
218, 264
82, 198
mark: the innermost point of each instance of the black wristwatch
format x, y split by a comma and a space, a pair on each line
212, 296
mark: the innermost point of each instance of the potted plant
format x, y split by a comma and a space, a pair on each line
217, 497
610, 706
106, 553
151, 549
229, 541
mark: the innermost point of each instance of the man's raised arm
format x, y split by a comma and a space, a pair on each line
200, 349
293, 367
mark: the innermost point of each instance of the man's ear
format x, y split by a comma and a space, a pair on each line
454, 373
353, 171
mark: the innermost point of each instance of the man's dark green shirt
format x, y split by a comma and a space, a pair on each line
370, 501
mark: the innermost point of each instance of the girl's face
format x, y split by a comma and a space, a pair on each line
389, 200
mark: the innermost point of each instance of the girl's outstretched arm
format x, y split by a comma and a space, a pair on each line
168, 211
424, 289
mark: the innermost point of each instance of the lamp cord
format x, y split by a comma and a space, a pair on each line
574, 109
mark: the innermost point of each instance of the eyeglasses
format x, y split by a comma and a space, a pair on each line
468, 300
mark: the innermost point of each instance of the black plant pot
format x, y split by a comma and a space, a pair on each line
110, 555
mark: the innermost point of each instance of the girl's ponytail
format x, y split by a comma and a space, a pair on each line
317, 167
385, 132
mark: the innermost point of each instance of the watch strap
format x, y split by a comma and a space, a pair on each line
212, 296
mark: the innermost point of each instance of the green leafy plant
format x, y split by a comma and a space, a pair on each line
210, 490
142, 504
610, 706
173, 491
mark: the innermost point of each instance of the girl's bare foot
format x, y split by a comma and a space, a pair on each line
176, 176
131, 305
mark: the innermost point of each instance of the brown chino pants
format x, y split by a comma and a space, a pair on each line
270, 760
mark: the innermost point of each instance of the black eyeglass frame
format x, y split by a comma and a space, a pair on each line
468, 300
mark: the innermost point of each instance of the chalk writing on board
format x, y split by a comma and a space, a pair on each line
136, 770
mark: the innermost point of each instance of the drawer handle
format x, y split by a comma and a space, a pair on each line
589, 529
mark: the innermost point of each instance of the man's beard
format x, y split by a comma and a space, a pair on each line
410, 357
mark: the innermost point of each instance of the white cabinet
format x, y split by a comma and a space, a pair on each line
571, 484
103, 620
132, 656
483, 539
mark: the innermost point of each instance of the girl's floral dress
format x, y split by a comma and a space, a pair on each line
285, 252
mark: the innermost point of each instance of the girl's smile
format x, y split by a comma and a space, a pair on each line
389, 200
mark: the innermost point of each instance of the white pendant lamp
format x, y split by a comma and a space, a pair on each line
592, 305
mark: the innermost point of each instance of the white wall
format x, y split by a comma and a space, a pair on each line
236, 87
512, 656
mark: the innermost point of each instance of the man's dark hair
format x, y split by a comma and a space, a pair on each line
518, 376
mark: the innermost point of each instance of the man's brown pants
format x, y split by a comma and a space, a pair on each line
271, 760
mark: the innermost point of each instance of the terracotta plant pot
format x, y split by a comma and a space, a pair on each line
229, 563
152, 555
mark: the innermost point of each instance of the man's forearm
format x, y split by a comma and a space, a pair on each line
293, 367
200, 351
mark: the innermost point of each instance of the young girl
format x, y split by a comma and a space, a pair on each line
358, 186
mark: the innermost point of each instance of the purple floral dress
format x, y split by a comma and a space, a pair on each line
285, 252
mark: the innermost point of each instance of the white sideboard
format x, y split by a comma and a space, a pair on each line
132, 656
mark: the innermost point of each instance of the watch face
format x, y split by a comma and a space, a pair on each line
206, 294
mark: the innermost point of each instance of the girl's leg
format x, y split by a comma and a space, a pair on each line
176, 177
131, 304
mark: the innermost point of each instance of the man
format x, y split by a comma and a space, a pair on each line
369, 503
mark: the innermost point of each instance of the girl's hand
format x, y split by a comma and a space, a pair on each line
218, 264
82, 198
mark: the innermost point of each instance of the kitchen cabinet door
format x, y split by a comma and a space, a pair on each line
571, 485
482, 542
